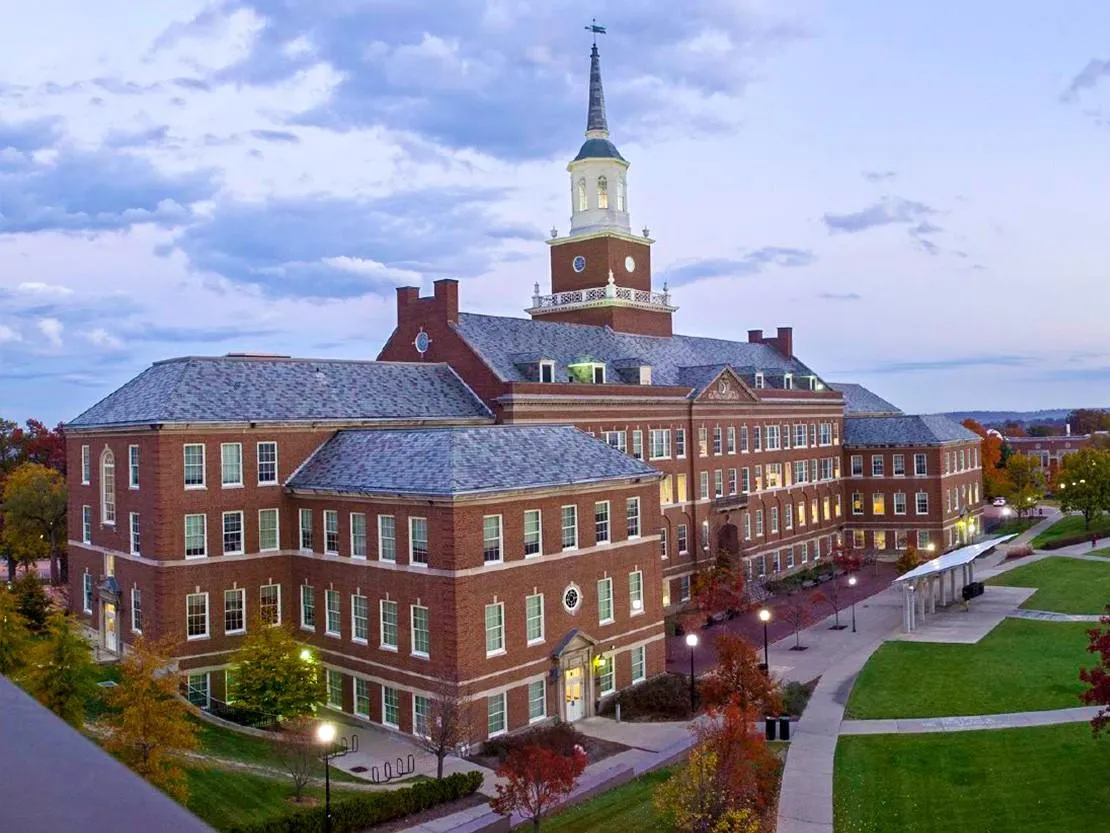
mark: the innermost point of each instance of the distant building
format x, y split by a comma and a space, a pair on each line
1049, 452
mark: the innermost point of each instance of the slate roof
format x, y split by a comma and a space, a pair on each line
905, 430
859, 401
676, 361
598, 149
462, 460
279, 389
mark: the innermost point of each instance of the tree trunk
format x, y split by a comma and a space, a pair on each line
536, 823
439, 766
11, 567
54, 574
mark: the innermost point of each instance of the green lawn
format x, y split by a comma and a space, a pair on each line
1101, 553
1065, 585
1015, 526
1021, 665
1041, 780
1072, 525
628, 807
226, 743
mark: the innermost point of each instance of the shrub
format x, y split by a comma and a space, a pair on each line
795, 697
666, 697
1067, 540
1020, 551
560, 738
353, 814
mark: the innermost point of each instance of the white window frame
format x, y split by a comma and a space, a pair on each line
499, 648
134, 533
499, 697
86, 524
634, 531
420, 713
894, 458
356, 520
878, 465
86, 465
207, 618
203, 466
258, 460
383, 522
334, 673
87, 593
203, 537
302, 513
659, 444
917, 503
539, 533
604, 526
108, 487
133, 459
224, 482
635, 592
394, 724
365, 639
528, 618
640, 651
242, 533
680, 443
361, 694
277, 530
261, 590
136, 604
386, 646
305, 596
487, 541
413, 631
241, 592
607, 583
330, 594
923, 469
532, 700
901, 495
413, 520
331, 536
563, 526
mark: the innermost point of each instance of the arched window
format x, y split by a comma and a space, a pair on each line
108, 487
602, 192
622, 196
582, 195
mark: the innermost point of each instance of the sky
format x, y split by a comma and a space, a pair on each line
918, 189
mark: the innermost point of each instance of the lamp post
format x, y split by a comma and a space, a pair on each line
765, 617
852, 584
692, 643
325, 733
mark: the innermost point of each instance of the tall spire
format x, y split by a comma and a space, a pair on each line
595, 120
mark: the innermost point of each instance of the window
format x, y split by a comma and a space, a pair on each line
331, 602
920, 468
533, 618
196, 613
772, 437
622, 198
745, 480
420, 715
270, 604
760, 381
389, 624
537, 700
491, 538
923, 539
632, 512
197, 690
683, 541
360, 619
684, 589
758, 523
495, 714
757, 439
663, 541
86, 524
615, 439
331, 531
196, 536
421, 636
680, 442
133, 467
802, 514
86, 465
857, 465
718, 483
703, 485
194, 466
418, 541
387, 538
605, 677
703, 441
788, 516
582, 206
570, 527
732, 481
268, 538
306, 530
495, 629
879, 538
391, 706
775, 519
799, 435
659, 441
876, 465
602, 192
267, 464
136, 542
136, 610
605, 601
636, 592
235, 610
717, 439
639, 664
857, 503
233, 533
547, 372
601, 522
878, 503
358, 535
533, 536
898, 464
899, 503
108, 487
335, 689
743, 439
638, 445
362, 697
598, 374
231, 464
826, 433
308, 607
731, 437
680, 488
747, 527
87, 592
922, 500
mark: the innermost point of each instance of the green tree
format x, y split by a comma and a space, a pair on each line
13, 633
62, 672
34, 504
275, 674
151, 722
1084, 483
1026, 481
33, 603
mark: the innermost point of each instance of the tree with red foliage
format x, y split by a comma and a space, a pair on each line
748, 771
716, 592
737, 679
1098, 677
35, 444
536, 779
990, 457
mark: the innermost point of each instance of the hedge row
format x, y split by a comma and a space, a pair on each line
1069, 540
362, 811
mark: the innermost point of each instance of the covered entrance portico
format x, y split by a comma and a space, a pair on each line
108, 596
572, 664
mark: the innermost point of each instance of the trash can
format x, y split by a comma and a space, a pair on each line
784, 727
769, 725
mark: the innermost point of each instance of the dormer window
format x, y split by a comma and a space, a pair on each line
599, 374
622, 195
759, 380
602, 192
586, 373
582, 206
814, 384
547, 371
788, 381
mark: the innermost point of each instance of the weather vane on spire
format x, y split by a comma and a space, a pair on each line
597, 30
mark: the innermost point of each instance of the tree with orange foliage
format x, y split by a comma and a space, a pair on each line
738, 679
535, 780
1098, 677
990, 458
716, 592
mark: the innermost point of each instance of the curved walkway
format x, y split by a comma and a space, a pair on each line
1010, 720
1053, 616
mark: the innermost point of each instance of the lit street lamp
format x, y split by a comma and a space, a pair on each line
765, 617
325, 733
692, 642
852, 583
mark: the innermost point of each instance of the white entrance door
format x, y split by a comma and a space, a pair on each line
574, 695
111, 633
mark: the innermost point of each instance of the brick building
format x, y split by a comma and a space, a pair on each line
444, 513
1049, 452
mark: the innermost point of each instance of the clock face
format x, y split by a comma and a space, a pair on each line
572, 597
630, 263
579, 263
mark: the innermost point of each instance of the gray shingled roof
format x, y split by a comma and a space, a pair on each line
676, 361
905, 430
246, 389
859, 401
456, 461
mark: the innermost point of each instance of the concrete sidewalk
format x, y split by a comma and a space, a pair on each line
1010, 720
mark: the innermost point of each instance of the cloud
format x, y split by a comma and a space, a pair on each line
957, 363
840, 296
52, 328
30, 135
97, 191
37, 287
102, 338
137, 138
1088, 77
887, 211
8, 335
328, 247
276, 136
878, 176
749, 264
198, 335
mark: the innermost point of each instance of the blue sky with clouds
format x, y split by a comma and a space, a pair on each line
920, 190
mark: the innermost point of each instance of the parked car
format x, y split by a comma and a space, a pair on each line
999, 501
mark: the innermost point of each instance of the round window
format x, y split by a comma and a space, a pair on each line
572, 598
579, 263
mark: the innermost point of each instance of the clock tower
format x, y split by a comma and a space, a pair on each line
601, 271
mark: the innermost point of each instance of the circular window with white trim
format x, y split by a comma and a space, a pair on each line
572, 598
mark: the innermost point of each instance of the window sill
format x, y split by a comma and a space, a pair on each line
196, 638
239, 632
331, 552
570, 549
391, 648
495, 561
500, 652
423, 565
234, 552
528, 556
195, 488
271, 549
309, 628
231, 485
195, 557
333, 635
603, 622
534, 720
496, 734
380, 560
639, 612
358, 641
262, 485
420, 655
533, 642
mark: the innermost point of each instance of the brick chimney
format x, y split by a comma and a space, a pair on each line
784, 341
755, 336
447, 297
